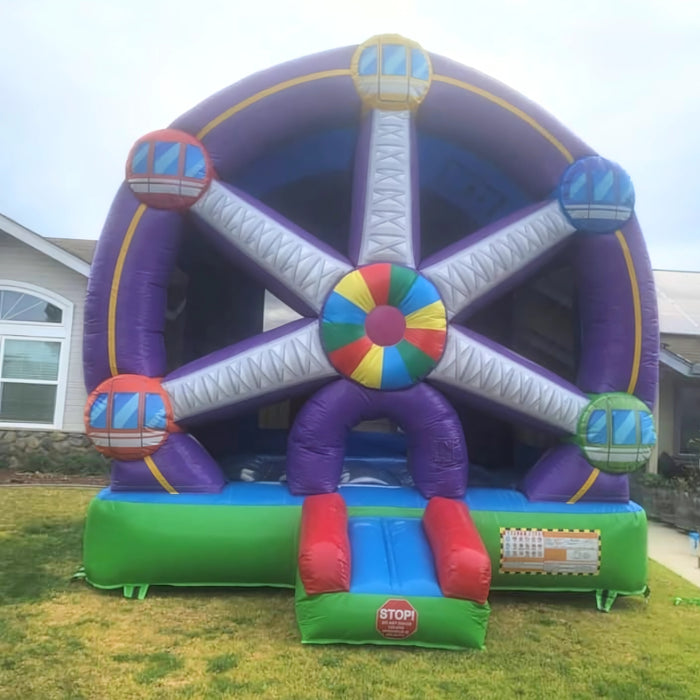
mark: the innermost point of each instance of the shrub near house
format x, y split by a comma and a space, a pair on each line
671, 499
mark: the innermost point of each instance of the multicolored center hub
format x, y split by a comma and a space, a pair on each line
384, 326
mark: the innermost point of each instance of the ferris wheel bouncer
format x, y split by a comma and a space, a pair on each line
372, 326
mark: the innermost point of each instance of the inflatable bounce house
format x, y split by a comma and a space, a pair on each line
372, 326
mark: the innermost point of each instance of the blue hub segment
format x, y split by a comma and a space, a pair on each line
596, 195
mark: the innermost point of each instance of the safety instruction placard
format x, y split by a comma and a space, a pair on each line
534, 551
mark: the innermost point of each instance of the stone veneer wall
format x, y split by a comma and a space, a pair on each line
19, 448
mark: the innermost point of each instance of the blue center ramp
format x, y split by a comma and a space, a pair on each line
394, 595
392, 556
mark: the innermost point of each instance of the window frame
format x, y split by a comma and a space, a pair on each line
40, 331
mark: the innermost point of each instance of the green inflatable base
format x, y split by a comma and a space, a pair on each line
137, 544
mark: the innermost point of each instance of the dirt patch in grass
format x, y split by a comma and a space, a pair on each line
17, 477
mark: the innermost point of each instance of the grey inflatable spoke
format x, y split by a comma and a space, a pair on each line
477, 268
251, 374
387, 220
286, 253
473, 365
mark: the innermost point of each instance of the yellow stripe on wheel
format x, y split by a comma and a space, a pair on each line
354, 288
430, 317
369, 371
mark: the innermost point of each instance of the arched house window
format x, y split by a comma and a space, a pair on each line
35, 331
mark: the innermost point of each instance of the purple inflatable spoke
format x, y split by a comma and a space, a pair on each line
289, 256
385, 221
250, 372
491, 259
476, 366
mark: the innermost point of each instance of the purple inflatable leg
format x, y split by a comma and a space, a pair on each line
180, 465
437, 452
564, 475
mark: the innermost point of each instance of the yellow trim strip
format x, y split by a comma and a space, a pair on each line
159, 475
587, 485
114, 292
637, 303
338, 72
511, 108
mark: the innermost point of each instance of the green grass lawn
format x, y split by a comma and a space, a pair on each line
66, 640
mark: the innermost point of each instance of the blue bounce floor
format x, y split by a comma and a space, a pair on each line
270, 494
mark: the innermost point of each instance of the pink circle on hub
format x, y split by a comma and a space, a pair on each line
385, 325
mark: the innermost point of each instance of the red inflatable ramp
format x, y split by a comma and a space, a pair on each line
462, 563
324, 545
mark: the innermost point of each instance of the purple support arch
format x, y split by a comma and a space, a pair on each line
126, 302
616, 292
180, 465
129, 278
562, 473
437, 454
619, 353
314, 91
469, 108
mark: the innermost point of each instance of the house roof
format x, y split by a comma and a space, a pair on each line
80, 247
678, 295
678, 292
47, 246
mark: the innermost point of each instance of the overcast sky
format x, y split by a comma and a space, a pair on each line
81, 80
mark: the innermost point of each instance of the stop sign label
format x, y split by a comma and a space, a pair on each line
397, 619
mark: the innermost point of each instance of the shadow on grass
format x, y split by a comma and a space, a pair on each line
584, 600
35, 560
221, 664
155, 666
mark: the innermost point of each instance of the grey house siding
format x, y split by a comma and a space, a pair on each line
21, 264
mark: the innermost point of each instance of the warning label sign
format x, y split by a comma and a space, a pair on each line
533, 551
397, 619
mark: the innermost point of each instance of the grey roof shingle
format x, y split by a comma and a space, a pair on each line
81, 248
